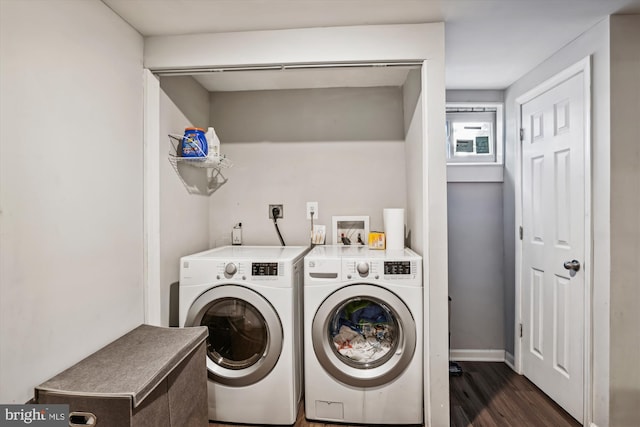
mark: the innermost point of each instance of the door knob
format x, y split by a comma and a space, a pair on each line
572, 265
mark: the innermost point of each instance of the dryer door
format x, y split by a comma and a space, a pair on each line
245, 334
364, 335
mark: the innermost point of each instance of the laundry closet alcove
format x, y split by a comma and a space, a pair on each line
394, 156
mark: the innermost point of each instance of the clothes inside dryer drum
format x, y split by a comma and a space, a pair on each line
364, 332
238, 334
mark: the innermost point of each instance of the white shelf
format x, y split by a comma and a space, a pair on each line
216, 162
211, 165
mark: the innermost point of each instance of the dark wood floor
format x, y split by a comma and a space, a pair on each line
491, 394
486, 395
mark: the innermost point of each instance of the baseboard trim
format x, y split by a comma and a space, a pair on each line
593, 425
510, 360
477, 355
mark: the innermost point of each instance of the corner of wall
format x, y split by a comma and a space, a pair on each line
624, 339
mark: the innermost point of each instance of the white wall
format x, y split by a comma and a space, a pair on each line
71, 186
340, 147
414, 155
625, 221
294, 173
478, 96
330, 114
435, 238
304, 45
184, 215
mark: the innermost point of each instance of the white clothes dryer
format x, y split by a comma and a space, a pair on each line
363, 335
250, 298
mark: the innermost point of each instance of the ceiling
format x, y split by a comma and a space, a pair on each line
489, 43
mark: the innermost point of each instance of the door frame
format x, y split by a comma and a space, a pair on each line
582, 66
151, 288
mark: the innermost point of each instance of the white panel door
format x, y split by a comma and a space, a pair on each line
553, 173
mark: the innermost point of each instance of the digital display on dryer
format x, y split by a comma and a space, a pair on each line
264, 269
397, 267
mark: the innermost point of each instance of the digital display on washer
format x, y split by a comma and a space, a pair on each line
397, 267
264, 268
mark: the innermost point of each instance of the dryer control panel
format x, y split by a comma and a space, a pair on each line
378, 269
270, 273
264, 268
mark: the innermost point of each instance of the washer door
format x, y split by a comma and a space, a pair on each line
245, 334
364, 335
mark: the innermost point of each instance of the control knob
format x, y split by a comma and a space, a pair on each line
363, 268
230, 269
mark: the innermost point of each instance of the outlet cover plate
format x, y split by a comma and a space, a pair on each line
312, 207
280, 215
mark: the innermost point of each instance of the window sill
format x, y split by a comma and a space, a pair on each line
475, 172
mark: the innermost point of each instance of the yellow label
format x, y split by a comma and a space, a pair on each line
376, 240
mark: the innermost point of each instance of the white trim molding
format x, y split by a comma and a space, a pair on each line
347, 44
509, 359
151, 292
466, 355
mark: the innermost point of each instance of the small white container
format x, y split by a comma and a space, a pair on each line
394, 228
213, 142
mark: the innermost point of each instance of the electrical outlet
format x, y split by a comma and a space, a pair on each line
280, 213
312, 207
236, 236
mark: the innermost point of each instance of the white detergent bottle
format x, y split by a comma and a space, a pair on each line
213, 142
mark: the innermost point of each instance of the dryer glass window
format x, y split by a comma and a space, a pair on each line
238, 333
364, 332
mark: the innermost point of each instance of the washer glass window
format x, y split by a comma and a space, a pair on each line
238, 333
364, 332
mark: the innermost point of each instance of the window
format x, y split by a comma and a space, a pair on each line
471, 136
474, 141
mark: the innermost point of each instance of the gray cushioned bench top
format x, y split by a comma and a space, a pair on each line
131, 366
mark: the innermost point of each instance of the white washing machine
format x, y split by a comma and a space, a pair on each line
250, 298
363, 335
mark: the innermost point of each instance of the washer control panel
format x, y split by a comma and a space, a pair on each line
394, 268
353, 269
